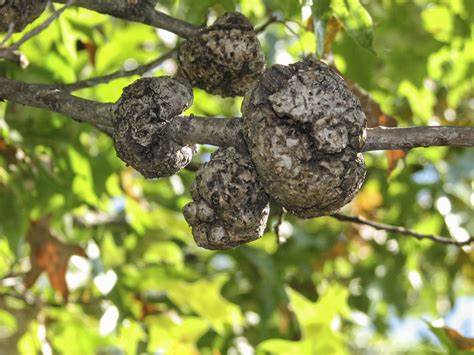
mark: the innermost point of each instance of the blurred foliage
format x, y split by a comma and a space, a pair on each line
328, 287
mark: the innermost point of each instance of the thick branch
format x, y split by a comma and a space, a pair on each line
144, 12
42, 96
412, 137
217, 131
401, 230
211, 130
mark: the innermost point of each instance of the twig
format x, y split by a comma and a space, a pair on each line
401, 230
9, 34
193, 167
35, 31
272, 19
78, 85
277, 226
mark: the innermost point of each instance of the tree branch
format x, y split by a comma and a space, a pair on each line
43, 96
412, 137
37, 30
144, 12
222, 132
401, 230
11, 53
78, 85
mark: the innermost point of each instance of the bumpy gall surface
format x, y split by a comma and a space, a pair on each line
229, 205
224, 59
19, 12
304, 129
141, 115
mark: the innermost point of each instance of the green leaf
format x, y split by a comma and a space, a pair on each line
283, 347
204, 298
321, 14
83, 184
438, 21
130, 334
447, 344
175, 335
14, 217
356, 20
8, 324
330, 304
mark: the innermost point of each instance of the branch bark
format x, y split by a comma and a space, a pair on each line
45, 97
144, 12
222, 132
401, 230
412, 137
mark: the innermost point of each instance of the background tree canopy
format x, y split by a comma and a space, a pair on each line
117, 247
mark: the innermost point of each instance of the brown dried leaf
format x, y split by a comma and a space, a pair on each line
393, 156
91, 49
367, 201
461, 342
332, 29
8, 152
49, 254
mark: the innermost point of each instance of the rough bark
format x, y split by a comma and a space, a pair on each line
413, 137
20, 13
221, 132
43, 96
216, 131
229, 205
142, 11
304, 128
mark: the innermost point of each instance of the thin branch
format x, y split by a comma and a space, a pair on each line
35, 31
78, 85
143, 11
193, 167
401, 230
9, 34
271, 20
12, 53
278, 223
412, 137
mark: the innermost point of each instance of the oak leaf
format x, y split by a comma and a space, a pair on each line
49, 254
461, 342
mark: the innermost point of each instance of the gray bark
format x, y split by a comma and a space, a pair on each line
43, 96
143, 11
224, 132
413, 137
